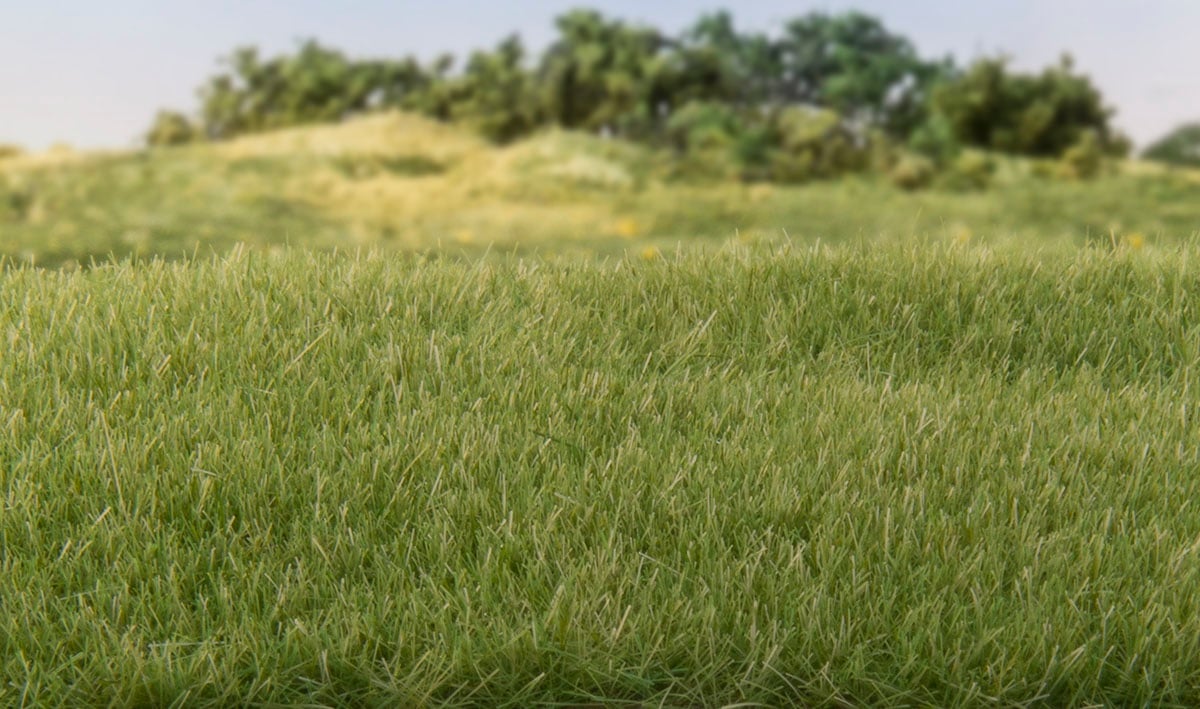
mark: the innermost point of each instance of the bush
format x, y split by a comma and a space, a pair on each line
171, 128
702, 125
10, 151
15, 200
973, 170
935, 140
992, 107
706, 138
815, 143
1085, 159
912, 172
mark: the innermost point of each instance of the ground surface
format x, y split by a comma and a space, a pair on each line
874, 475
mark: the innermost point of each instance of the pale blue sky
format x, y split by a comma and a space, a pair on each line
93, 73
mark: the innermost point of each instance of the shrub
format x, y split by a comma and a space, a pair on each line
10, 151
935, 140
815, 143
992, 107
15, 200
171, 128
1085, 159
702, 125
912, 172
706, 138
973, 170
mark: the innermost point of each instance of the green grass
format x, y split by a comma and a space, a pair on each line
868, 476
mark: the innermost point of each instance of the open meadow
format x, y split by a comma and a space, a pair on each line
374, 414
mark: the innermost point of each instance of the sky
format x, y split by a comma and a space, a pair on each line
93, 74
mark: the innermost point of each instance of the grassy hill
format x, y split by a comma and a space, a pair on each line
401, 182
829, 444
874, 476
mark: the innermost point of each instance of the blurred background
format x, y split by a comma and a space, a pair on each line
142, 128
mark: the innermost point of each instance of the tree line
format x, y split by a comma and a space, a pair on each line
816, 97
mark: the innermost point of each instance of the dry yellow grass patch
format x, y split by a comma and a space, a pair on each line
55, 156
387, 134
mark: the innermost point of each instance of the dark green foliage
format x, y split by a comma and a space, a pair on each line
935, 139
15, 201
713, 61
1179, 147
702, 125
317, 84
314, 85
171, 128
794, 144
718, 95
716, 140
603, 74
496, 94
854, 65
1042, 115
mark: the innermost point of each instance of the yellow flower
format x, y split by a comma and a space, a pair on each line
650, 253
962, 235
1135, 241
464, 236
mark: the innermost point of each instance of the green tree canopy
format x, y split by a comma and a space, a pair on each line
314, 84
711, 85
713, 61
1179, 147
605, 74
1031, 114
496, 93
852, 64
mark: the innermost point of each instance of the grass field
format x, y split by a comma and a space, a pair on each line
404, 184
863, 475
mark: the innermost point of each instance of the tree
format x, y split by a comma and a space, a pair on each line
1179, 147
496, 94
712, 61
405, 84
315, 84
852, 64
603, 74
1041, 115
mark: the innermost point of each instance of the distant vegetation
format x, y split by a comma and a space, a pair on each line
1179, 147
823, 96
404, 182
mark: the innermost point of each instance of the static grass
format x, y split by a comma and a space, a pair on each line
884, 477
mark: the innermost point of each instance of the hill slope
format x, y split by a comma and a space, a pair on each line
401, 182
